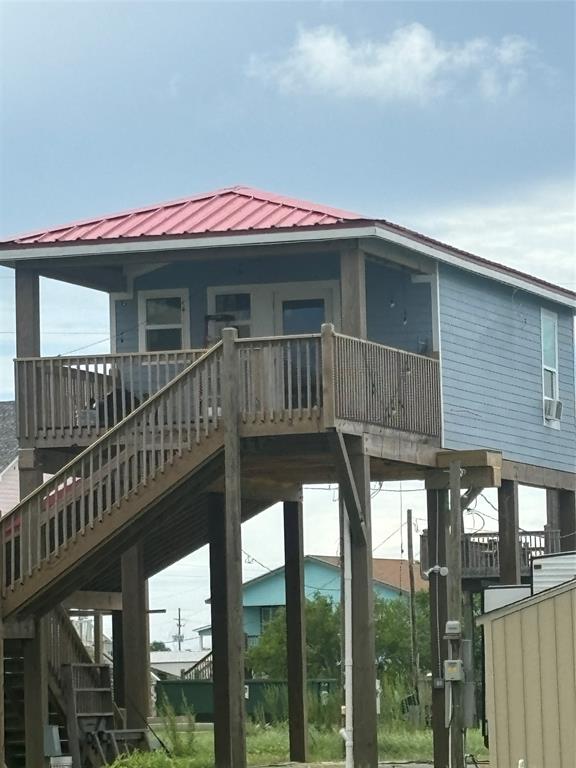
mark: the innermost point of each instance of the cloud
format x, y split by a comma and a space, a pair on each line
412, 65
533, 231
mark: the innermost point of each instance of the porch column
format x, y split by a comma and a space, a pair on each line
35, 695
508, 530
561, 516
135, 638
437, 504
353, 292
118, 659
365, 746
27, 285
226, 579
296, 630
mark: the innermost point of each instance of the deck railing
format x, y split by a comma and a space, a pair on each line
128, 456
375, 384
201, 670
481, 551
62, 398
63, 644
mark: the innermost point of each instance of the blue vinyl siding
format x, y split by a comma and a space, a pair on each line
492, 371
197, 276
398, 311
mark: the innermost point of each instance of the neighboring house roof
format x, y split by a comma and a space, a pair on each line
8, 440
245, 212
390, 571
520, 605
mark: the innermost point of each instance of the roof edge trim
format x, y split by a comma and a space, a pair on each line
559, 295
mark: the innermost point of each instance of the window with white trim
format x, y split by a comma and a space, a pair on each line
550, 389
163, 320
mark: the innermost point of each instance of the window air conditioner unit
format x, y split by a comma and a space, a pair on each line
553, 409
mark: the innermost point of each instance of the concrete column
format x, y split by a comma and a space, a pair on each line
135, 638
296, 630
35, 695
364, 724
437, 503
508, 529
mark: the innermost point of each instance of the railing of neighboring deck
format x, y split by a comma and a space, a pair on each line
481, 551
63, 397
177, 418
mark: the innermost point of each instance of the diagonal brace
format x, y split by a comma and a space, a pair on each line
348, 486
467, 498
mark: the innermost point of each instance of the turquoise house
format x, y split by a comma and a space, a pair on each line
263, 595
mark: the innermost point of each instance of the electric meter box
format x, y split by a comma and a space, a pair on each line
453, 670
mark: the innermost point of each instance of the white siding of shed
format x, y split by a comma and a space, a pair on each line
531, 684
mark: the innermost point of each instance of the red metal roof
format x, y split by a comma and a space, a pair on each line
234, 209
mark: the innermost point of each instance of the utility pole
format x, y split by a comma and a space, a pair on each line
180, 624
414, 655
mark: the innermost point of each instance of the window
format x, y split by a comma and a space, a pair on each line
267, 614
163, 320
234, 309
550, 365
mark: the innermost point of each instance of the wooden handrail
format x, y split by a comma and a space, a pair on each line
176, 418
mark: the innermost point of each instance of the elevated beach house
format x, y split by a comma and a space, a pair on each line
258, 343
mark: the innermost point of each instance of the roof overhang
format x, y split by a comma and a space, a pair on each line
13, 256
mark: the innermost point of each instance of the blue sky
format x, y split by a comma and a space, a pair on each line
455, 118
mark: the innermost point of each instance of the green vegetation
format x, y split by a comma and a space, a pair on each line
270, 745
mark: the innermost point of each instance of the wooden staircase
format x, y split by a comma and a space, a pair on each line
96, 734
70, 525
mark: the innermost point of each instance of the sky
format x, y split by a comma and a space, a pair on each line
453, 118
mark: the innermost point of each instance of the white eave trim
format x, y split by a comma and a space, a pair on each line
275, 238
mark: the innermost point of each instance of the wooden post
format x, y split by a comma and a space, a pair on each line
35, 695
118, 659
454, 611
226, 579
413, 637
508, 529
135, 638
364, 724
296, 630
98, 651
328, 376
561, 515
437, 503
353, 292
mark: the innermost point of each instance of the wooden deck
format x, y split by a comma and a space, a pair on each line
481, 552
150, 475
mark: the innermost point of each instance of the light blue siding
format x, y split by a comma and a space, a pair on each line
197, 276
492, 371
398, 311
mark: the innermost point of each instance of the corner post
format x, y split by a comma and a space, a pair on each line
353, 292
296, 630
437, 504
561, 515
135, 638
364, 723
454, 589
27, 284
328, 375
508, 528
226, 578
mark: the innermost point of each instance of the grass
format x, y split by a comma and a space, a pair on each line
268, 745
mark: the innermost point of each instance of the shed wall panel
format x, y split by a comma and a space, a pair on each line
564, 630
532, 691
492, 371
549, 683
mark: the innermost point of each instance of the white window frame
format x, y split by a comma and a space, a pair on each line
548, 314
163, 293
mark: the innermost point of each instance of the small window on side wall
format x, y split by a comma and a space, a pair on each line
550, 389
